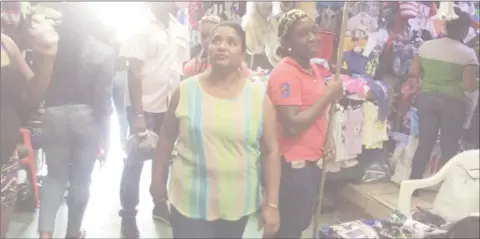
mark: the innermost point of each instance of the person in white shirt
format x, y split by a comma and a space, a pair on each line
155, 58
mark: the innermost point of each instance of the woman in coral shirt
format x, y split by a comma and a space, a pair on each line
301, 100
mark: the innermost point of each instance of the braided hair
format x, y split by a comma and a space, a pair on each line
285, 24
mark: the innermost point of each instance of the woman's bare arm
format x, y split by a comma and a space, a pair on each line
271, 165
166, 142
38, 82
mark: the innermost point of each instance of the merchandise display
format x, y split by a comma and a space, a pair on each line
423, 224
374, 126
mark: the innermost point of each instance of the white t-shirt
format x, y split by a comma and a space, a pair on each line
163, 52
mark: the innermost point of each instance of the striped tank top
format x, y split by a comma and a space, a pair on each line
216, 174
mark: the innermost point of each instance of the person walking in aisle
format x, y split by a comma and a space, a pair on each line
301, 100
76, 104
199, 62
17, 81
155, 58
448, 68
225, 125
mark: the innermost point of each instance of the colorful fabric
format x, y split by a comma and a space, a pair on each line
443, 70
9, 182
375, 131
408, 9
216, 174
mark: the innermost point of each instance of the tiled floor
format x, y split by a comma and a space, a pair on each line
102, 220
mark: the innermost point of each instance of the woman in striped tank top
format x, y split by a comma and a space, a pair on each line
223, 123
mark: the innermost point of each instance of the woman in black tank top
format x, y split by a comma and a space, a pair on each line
20, 90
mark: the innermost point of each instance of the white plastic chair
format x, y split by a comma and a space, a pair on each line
459, 194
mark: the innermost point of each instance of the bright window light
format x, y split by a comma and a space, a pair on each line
126, 18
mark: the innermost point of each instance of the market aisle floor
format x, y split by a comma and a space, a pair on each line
102, 220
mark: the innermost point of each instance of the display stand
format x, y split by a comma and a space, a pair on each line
336, 77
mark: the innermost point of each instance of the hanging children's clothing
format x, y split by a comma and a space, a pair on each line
327, 45
338, 133
354, 129
375, 131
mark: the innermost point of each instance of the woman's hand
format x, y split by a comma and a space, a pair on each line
269, 220
335, 89
158, 192
49, 49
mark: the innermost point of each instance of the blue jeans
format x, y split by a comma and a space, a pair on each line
132, 168
70, 142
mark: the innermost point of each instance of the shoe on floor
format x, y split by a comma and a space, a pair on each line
161, 213
130, 228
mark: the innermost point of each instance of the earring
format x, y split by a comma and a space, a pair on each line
289, 49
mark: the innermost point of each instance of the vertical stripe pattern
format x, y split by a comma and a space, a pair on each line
216, 173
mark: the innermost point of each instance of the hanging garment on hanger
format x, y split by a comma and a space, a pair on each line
271, 53
363, 21
339, 135
408, 9
327, 46
372, 8
328, 19
195, 13
375, 131
259, 26
423, 21
354, 122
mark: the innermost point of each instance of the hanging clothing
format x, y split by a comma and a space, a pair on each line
308, 7
375, 131
327, 46
216, 174
260, 27
354, 124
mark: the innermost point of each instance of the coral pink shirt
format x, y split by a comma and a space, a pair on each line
290, 84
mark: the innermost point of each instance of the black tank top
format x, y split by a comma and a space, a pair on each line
12, 85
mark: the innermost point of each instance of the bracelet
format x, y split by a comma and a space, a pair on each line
271, 205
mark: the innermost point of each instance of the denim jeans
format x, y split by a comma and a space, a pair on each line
185, 227
70, 142
437, 112
298, 198
132, 168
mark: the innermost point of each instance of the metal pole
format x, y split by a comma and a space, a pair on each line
318, 211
